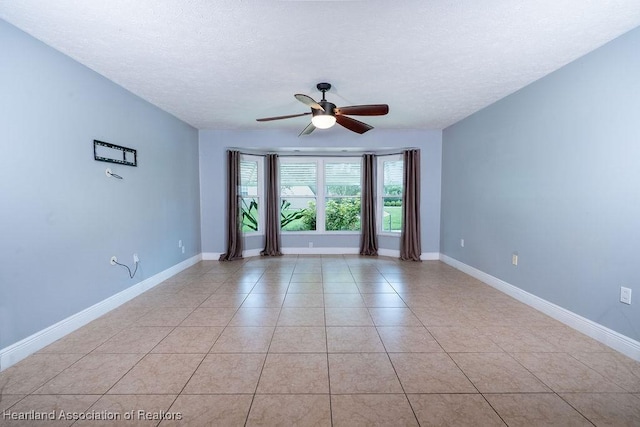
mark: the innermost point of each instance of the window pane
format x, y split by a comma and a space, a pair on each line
298, 214
392, 178
391, 214
298, 178
342, 179
298, 186
392, 195
250, 214
342, 214
248, 178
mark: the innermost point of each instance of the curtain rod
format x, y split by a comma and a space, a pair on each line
319, 154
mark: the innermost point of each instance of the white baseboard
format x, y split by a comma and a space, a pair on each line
211, 256
251, 253
430, 256
29, 345
289, 251
393, 253
320, 251
606, 336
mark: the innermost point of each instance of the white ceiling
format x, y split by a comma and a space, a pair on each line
220, 64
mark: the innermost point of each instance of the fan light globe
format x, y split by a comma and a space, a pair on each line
323, 121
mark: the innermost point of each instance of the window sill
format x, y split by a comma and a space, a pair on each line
319, 233
390, 234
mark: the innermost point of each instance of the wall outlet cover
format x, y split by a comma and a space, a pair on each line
625, 295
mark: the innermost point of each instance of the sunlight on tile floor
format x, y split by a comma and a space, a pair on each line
323, 340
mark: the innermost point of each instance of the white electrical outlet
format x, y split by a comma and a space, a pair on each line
462, 243
113, 260
625, 295
136, 259
183, 249
514, 258
179, 243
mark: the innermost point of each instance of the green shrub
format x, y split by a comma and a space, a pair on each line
393, 202
249, 213
343, 214
309, 217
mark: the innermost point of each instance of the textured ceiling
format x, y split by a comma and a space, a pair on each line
220, 64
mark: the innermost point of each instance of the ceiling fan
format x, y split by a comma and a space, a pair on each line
325, 114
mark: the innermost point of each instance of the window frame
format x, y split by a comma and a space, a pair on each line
320, 195
380, 195
260, 196
345, 159
299, 159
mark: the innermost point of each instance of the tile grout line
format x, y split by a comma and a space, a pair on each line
326, 341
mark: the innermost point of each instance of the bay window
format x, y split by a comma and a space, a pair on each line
322, 194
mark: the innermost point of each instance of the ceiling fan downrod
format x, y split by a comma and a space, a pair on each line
323, 87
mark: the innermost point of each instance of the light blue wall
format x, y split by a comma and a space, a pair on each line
553, 172
213, 146
61, 218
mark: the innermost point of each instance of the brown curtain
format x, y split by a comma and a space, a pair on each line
234, 222
410, 248
272, 206
368, 237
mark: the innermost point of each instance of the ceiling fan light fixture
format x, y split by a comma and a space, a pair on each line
323, 121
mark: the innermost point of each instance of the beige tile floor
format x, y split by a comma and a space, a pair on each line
323, 340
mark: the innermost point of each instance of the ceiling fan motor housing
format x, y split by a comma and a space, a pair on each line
329, 109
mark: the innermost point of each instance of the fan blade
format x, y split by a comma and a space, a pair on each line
364, 110
306, 131
353, 124
307, 100
266, 119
